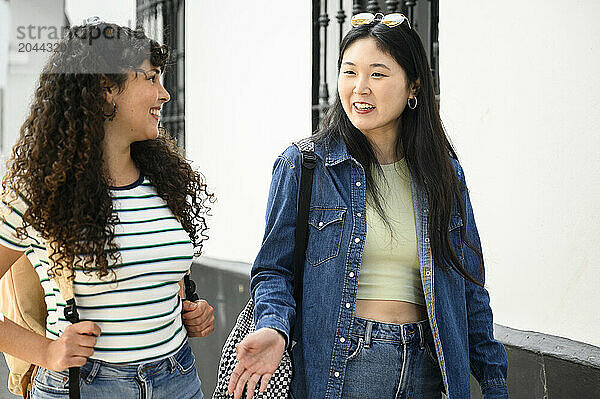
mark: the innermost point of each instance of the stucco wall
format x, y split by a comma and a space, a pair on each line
248, 85
520, 96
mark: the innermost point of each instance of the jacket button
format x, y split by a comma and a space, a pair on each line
357, 184
351, 274
336, 374
342, 340
359, 214
320, 224
348, 305
357, 240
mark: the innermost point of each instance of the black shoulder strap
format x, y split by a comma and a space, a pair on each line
65, 286
309, 161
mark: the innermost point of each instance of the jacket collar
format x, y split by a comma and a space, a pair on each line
336, 152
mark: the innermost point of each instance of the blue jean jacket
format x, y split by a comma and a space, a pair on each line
458, 310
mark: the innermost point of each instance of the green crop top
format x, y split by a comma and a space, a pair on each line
390, 262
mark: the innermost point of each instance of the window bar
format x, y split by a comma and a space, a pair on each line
373, 6
357, 7
181, 68
392, 5
323, 89
316, 63
434, 49
410, 12
341, 17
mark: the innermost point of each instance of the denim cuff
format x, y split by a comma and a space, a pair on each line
276, 323
494, 389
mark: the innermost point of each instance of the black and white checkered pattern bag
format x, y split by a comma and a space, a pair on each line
279, 384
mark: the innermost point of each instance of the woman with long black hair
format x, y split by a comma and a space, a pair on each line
394, 303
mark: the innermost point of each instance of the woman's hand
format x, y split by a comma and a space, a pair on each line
73, 347
258, 355
198, 318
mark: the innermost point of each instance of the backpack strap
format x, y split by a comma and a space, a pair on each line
309, 162
190, 288
64, 280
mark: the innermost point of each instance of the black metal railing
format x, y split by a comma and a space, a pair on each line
164, 21
423, 16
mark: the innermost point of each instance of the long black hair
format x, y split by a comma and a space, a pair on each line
421, 139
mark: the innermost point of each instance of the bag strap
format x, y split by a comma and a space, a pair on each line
190, 288
65, 286
309, 161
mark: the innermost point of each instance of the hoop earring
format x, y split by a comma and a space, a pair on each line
412, 106
110, 116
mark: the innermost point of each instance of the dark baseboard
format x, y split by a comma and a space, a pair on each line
547, 366
540, 365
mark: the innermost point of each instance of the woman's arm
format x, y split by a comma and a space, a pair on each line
487, 356
72, 349
272, 272
260, 353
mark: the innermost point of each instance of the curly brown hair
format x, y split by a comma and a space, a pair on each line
57, 164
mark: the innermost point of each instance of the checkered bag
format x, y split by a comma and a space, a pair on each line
279, 384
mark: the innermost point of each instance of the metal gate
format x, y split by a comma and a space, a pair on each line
164, 21
326, 37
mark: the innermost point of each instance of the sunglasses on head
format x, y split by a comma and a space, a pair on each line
389, 20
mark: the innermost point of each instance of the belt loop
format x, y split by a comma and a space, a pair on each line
403, 328
93, 372
140, 373
172, 363
421, 335
368, 330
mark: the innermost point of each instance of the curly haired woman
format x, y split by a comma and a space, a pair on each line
94, 175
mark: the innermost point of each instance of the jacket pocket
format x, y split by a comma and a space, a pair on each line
325, 226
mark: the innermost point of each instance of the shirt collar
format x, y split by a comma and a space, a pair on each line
336, 151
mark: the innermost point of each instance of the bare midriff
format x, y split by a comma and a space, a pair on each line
396, 312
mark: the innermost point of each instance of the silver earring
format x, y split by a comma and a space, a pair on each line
412, 106
111, 116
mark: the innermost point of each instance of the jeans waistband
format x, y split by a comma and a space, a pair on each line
95, 367
406, 333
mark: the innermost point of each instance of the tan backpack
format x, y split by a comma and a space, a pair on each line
22, 301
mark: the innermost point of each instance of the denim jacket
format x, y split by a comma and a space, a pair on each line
458, 310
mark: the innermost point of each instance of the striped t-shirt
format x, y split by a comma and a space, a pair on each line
137, 308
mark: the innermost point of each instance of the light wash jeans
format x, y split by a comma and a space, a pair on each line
173, 377
390, 361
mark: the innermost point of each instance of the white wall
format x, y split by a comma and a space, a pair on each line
23, 68
520, 96
248, 96
4, 39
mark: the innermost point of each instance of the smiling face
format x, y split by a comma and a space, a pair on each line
373, 88
138, 105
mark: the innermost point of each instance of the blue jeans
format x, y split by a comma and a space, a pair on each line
389, 361
173, 377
